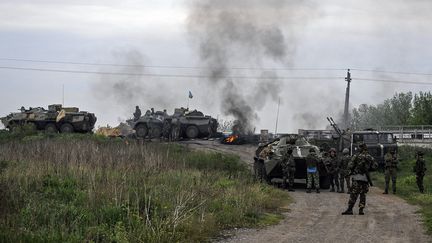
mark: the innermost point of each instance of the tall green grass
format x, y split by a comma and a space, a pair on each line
78, 188
406, 182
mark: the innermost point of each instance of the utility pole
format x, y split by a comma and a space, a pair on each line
347, 95
277, 117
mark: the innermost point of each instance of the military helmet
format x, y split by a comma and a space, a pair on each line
345, 151
332, 150
362, 146
311, 150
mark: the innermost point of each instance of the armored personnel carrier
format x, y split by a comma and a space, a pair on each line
189, 124
268, 158
55, 119
149, 125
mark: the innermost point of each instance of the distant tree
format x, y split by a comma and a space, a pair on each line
393, 111
422, 109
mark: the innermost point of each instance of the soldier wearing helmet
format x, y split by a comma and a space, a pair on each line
312, 161
391, 164
331, 163
420, 170
137, 113
359, 169
344, 175
288, 168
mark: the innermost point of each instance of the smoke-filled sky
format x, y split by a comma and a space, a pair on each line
218, 37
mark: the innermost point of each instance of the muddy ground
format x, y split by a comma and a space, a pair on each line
317, 217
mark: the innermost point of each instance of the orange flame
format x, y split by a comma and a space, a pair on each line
231, 138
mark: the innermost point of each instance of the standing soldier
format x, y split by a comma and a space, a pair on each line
391, 165
331, 163
288, 167
359, 169
137, 113
344, 174
420, 170
312, 170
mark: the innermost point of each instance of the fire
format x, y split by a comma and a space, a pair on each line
231, 138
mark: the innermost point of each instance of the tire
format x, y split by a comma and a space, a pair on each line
66, 128
156, 132
192, 132
141, 130
51, 128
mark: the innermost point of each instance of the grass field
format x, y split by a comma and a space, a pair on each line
406, 182
86, 188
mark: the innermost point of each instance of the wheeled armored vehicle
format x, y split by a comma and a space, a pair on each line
268, 158
55, 119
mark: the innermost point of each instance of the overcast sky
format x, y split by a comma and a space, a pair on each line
394, 35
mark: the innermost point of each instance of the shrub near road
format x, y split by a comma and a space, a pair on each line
406, 182
85, 188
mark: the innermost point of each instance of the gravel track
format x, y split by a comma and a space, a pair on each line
317, 217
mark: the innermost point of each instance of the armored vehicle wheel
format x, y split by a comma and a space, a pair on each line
192, 132
66, 128
51, 128
141, 130
156, 132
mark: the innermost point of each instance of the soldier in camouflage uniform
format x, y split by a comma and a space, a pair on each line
391, 164
359, 169
312, 170
288, 168
331, 163
344, 175
420, 170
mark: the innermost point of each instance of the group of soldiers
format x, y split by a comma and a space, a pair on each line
352, 170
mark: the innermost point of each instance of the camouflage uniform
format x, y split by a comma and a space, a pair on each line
359, 169
311, 163
333, 171
288, 168
420, 170
391, 165
344, 174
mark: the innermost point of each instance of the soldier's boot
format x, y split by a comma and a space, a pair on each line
332, 189
290, 188
308, 190
317, 190
385, 191
349, 211
394, 188
361, 212
339, 189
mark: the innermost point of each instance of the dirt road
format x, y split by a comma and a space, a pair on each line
317, 217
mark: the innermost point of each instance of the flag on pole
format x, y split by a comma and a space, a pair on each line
190, 95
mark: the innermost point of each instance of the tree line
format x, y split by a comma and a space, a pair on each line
401, 109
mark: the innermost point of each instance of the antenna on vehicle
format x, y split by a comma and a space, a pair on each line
63, 95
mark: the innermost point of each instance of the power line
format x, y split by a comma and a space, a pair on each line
160, 75
390, 72
168, 67
393, 81
209, 77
